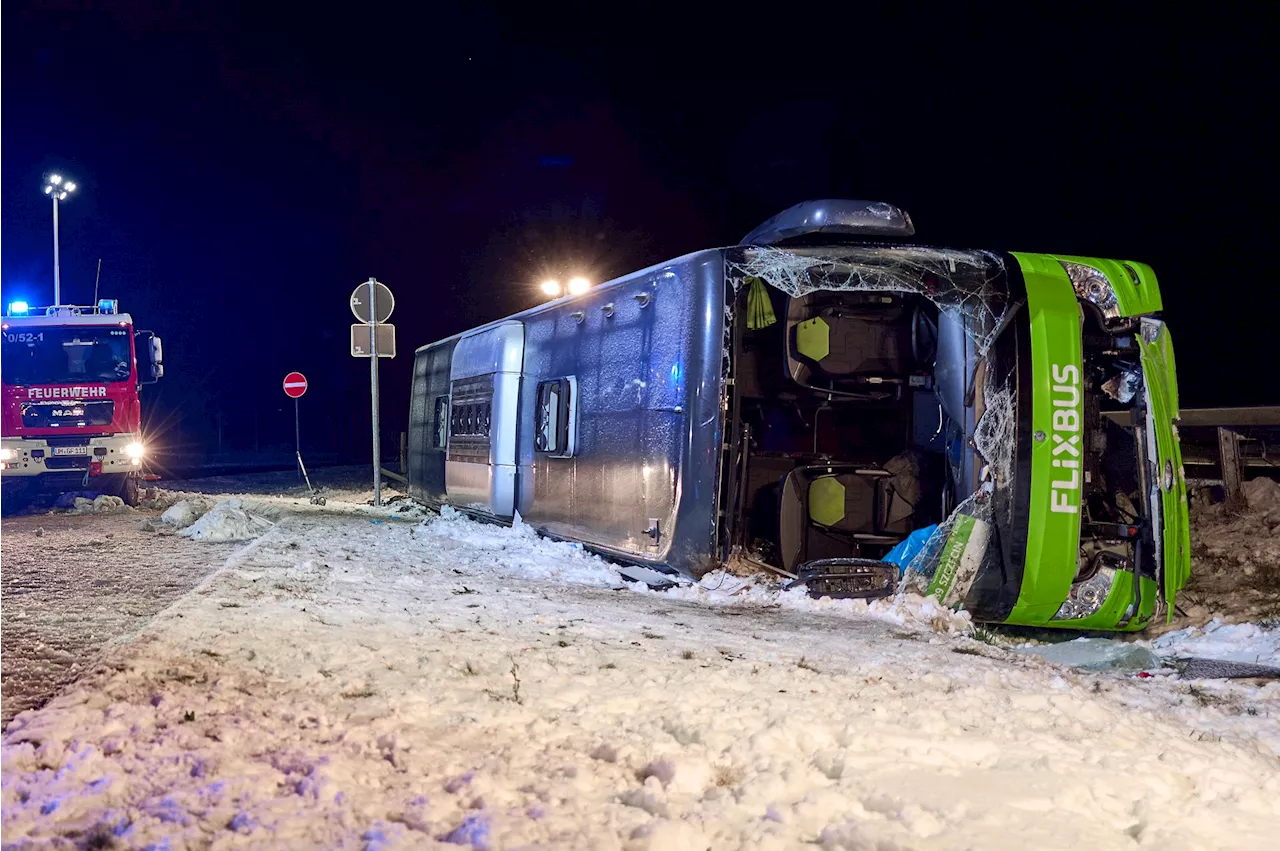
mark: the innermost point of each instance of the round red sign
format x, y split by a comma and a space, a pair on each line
295, 384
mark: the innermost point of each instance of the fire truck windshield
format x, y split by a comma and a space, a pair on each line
54, 355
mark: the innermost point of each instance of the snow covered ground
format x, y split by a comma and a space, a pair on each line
71, 585
355, 680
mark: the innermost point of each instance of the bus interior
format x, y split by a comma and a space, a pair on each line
838, 438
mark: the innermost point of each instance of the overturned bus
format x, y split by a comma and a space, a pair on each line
811, 400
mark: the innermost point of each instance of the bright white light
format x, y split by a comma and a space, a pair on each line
551, 288
135, 450
55, 179
578, 286
18, 307
6, 454
71, 187
62, 196
48, 190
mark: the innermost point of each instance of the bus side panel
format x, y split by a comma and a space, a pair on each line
636, 358
694, 548
484, 386
428, 436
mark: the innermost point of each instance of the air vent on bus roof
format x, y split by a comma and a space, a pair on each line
833, 218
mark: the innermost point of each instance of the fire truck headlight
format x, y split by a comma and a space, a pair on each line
135, 451
7, 454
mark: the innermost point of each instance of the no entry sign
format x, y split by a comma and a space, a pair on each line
295, 384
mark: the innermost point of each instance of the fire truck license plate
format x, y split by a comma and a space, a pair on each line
70, 450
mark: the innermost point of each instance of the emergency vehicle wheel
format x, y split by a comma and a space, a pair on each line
126, 486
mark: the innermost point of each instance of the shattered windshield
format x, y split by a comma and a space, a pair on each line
56, 355
961, 283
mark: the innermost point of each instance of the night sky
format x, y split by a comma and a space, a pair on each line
243, 168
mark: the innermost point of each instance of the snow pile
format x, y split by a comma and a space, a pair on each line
1263, 497
183, 513
102, 504
719, 588
229, 520
517, 549
1244, 642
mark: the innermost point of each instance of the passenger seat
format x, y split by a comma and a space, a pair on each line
868, 337
857, 503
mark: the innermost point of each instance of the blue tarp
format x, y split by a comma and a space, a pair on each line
908, 549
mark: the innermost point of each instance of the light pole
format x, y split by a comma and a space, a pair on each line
57, 189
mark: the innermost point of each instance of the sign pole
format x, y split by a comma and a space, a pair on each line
373, 387
297, 436
295, 384
371, 319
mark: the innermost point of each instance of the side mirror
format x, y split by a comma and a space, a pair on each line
157, 359
154, 353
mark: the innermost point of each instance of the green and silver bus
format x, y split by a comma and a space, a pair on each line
831, 402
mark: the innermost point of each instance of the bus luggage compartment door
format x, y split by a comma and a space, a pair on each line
484, 396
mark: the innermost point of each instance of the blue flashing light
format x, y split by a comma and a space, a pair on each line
18, 308
107, 305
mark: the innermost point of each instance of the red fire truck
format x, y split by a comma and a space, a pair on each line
70, 418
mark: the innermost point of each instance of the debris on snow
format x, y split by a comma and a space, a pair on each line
101, 504
183, 513
229, 520
1235, 560
1096, 654
159, 499
719, 587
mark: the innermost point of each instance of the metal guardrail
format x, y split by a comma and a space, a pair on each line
1230, 417
394, 476
1233, 429
404, 462
1218, 417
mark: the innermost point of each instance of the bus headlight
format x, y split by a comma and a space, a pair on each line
1087, 597
1092, 286
7, 454
135, 451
